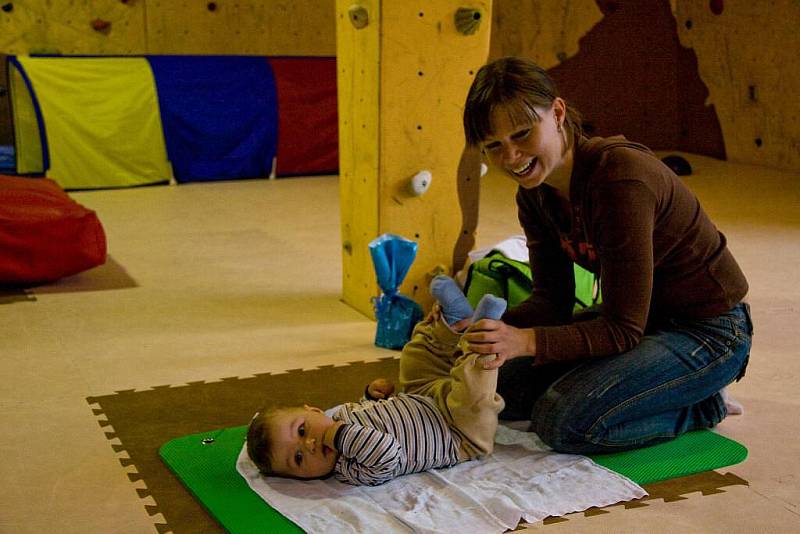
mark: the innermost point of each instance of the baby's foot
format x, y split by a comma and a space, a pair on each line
454, 304
489, 307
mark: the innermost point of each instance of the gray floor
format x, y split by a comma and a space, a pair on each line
208, 281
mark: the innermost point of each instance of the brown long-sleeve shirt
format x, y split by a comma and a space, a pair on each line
632, 221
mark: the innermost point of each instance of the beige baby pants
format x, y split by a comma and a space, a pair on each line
433, 364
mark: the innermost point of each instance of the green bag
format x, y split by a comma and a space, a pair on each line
511, 280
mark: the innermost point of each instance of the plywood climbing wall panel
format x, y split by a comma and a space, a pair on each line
546, 32
278, 27
92, 27
424, 67
358, 65
427, 66
105, 27
747, 57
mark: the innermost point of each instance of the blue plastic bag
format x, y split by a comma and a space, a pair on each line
397, 314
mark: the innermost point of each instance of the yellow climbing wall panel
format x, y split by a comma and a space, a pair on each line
358, 64
246, 27
65, 27
276, 27
546, 32
412, 110
747, 57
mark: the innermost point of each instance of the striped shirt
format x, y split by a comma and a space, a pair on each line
381, 440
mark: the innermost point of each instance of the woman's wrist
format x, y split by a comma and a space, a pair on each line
531, 348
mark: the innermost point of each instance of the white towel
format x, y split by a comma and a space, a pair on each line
515, 247
522, 479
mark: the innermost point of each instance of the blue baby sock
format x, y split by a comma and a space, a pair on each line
455, 305
489, 307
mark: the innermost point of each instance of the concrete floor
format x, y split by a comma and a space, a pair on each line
214, 280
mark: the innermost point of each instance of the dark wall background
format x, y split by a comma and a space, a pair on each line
632, 76
6, 133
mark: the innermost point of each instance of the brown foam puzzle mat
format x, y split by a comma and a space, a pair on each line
138, 423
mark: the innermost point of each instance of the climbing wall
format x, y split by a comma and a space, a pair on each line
404, 71
252, 27
103, 27
707, 77
747, 56
546, 32
72, 27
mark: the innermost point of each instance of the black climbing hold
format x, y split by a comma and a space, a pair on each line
8, 8
678, 164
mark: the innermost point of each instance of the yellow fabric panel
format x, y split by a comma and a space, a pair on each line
101, 119
28, 145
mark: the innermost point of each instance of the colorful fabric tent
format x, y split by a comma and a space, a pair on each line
98, 121
92, 122
220, 115
308, 123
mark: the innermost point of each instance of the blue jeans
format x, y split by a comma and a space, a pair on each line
667, 385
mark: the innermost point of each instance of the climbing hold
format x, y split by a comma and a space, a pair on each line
212, 6
468, 20
102, 26
421, 182
678, 165
8, 8
359, 17
716, 6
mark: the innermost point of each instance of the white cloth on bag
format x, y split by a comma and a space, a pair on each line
514, 247
521, 480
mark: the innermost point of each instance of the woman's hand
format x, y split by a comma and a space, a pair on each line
488, 336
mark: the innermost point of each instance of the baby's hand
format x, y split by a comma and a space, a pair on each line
380, 388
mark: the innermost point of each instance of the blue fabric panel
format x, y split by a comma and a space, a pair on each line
8, 160
220, 115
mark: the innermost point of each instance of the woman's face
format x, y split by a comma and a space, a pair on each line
527, 151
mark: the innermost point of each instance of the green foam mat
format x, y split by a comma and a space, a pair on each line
206, 464
693, 452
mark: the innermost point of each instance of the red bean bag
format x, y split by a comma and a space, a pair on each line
44, 234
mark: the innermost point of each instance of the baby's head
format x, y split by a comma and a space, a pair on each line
286, 441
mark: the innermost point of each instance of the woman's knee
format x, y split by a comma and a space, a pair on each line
556, 420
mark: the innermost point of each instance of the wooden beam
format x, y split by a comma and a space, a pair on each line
403, 78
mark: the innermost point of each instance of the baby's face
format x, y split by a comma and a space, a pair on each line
297, 449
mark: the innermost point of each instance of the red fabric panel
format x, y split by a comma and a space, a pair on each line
44, 234
308, 128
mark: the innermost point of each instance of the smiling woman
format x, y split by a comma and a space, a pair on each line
631, 373
515, 115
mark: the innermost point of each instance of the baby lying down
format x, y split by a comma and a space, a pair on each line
446, 412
